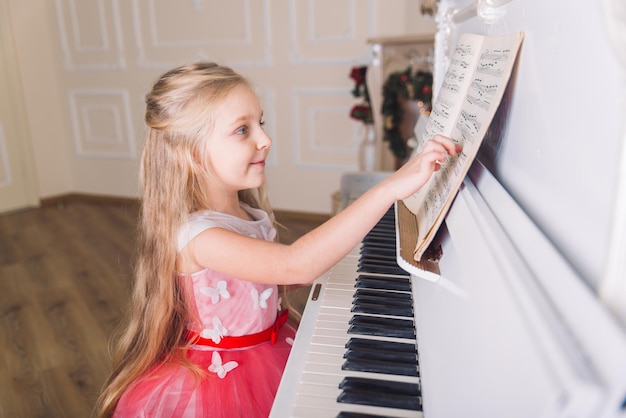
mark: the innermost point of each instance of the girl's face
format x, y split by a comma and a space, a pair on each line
238, 146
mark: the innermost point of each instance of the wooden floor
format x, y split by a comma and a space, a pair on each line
65, 274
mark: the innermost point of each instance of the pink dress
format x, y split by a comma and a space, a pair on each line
236, 382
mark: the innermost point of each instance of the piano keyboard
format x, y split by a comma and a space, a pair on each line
360, 355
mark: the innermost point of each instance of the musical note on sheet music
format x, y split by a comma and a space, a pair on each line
468, 98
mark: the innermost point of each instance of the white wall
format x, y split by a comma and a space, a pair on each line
86, 65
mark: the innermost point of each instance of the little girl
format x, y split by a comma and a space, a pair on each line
204, 336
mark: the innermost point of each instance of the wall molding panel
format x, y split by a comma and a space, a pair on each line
319, 37
323, 136
238, 36
91, 37
101, 123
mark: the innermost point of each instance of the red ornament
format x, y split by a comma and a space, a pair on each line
358, 74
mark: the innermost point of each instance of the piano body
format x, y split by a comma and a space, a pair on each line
525, 315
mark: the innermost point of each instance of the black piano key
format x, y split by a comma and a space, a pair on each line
379, 240
382, 327
359, 329
374, 241
381, 309
365, 384
389, 279
380, 259
380, 297
383, 301
381, 393
383, 322
372, 268
378, 366
386, 283
384, 230
403, 297
378, 399
378, 253
389, 262
344, 414
386, 247
380, 256
383, 297
371, 344
409, 359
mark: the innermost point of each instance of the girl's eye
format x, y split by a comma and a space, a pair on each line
262, 122
242, 131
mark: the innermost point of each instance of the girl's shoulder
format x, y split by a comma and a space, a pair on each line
259, 227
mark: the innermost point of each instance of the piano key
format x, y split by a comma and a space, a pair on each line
338, 338
323, 377
334, 354
369, 344
321, 364
379, 366
380, 326
372, 282
405, 297
358, 415
382, 298
372, 268
361, 329
381, 309
341, 329
378, 393
374, 385
397, 357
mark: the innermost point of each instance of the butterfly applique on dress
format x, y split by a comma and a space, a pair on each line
261, 299
216, 292
218, 331
218, 367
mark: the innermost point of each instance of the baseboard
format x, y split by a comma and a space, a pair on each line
282, 215
69, 198
61, 200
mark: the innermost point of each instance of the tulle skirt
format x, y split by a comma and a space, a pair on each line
233, 383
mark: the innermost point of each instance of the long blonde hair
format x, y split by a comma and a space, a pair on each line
179, 114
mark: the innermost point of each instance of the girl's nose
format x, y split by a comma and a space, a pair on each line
264, 140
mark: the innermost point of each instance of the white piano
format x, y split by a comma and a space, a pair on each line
526, 315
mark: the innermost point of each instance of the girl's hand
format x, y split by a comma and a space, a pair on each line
415, 173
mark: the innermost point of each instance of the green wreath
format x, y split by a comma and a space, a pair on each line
411, 86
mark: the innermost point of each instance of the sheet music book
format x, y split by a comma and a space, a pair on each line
469, 96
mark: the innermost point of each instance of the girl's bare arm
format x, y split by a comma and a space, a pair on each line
317, 251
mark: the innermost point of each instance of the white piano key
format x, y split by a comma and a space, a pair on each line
336, 311
311, 406
347, 287
337, 349
321, 378
340, 330
322, 391
338, 301
339, 294
331, 365
341, 318
323, 340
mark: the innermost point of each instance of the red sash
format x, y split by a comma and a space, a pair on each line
269, 334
